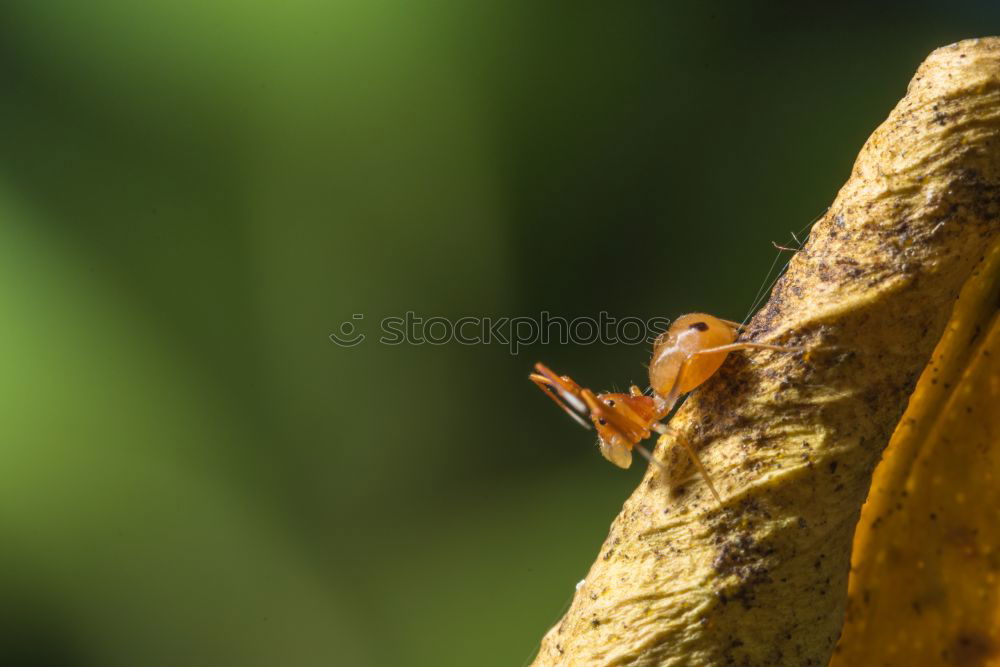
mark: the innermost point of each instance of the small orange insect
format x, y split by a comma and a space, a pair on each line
684, 357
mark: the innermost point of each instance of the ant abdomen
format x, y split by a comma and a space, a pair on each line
681, 360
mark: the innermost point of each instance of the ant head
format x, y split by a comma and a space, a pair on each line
621, 420
606, 411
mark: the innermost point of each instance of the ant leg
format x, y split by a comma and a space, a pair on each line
735, 325
666, 403
649, 457
732, 347
663, 429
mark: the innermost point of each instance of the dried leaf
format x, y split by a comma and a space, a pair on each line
925, 582
792, 439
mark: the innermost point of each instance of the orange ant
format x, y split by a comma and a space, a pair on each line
684, 357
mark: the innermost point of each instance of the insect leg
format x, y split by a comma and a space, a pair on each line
649, 457
666, 403
735, 325
663, 429
732, 347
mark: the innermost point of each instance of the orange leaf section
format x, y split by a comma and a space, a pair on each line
925, 574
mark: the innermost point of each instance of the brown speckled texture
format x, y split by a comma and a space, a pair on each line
791, 438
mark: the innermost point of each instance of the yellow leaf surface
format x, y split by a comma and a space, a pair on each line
925, 581
791, 440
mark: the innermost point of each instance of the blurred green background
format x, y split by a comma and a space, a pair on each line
194, 195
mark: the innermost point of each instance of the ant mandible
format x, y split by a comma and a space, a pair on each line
684, 357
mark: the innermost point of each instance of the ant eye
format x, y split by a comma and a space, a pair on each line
700, 326
602, 421
610, 403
